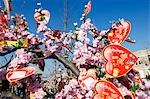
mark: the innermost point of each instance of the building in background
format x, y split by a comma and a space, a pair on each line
143, 63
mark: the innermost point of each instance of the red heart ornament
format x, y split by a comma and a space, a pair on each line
17, 74
119, 32
106, 90
119, 60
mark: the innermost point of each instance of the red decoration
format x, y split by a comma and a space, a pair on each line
17, 74
119, 32
106, 90
87, 8
3, 20
119, 60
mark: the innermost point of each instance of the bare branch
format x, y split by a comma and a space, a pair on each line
60, 58
8, 52
67, 63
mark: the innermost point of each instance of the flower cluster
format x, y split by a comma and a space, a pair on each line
143, 92
32, 39
83, 30
86, 55
17, 30
73, 91
22, 58
55, 40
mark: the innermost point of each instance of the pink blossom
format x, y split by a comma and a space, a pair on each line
103, 32
95, 42
30, 36
41, 27
73, 91
81, 35
25, 33
40, 94
141, 95
22, 58
33, 39
52, 48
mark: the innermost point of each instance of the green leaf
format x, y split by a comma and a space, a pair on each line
135, 87
5, 9
42, 18
19, 43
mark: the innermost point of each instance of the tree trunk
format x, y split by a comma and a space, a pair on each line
66, 63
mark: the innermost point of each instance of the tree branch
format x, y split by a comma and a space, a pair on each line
67, 63
60, 58
8, 52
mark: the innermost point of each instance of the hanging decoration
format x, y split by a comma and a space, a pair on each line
18, 74
42, 16
119, 32
106, 90
119, 60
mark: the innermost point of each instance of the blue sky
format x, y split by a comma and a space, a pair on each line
103, 11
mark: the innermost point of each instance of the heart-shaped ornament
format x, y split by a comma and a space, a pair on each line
106, 90
42, 16
18, 74
119, 60
119, 32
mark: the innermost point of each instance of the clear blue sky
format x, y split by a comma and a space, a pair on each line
103, 11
